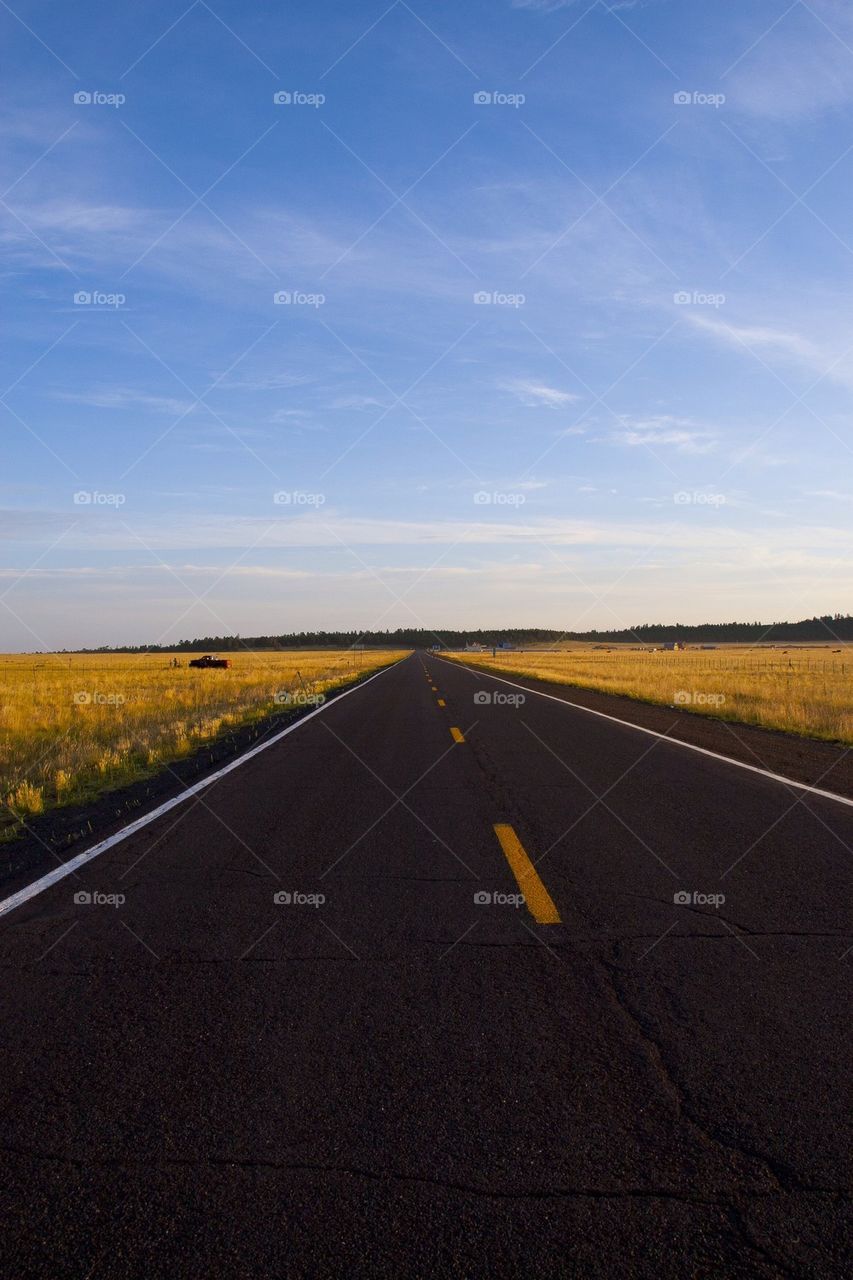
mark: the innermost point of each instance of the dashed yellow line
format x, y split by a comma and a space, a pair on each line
434, 689
441, 702
457, 735
539, 902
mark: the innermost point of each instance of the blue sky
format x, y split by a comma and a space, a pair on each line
563, 333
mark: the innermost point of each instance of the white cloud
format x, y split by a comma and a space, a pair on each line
87, 529
710, 576
359, 402
267, 382
296, 419
663, 430
801, 68
537, 393
125, 398
833, 362
548, 6
773, 340
545, 6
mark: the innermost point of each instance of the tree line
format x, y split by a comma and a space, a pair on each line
827, 629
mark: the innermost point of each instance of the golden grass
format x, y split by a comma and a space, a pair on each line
807, 691
74, 726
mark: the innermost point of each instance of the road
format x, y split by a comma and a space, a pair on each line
386, 1075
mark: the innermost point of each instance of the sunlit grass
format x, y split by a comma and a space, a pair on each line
800, 690
74, 726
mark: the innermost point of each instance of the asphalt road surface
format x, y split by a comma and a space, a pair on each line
383, 1074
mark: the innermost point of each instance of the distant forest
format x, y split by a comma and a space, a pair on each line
825, 630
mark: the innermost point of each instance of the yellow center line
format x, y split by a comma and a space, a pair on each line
457, 734
441, 702
539, 902
434, 689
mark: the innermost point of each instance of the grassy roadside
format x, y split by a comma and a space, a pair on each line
74, 728
799, 691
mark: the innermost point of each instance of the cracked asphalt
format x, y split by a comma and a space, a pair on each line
379, 1075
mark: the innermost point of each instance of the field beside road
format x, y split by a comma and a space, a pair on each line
800, 690
75, 725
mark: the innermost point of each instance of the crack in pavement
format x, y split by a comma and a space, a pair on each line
392, 1175
607, 940
783, 1178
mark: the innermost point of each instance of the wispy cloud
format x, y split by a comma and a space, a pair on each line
548, 6
802, 68
359, 402
831, 495
773, 340
786, 347
183, 532
125, 398
538, 393
266, 381
663, 431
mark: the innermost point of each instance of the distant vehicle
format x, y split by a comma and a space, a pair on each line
209, 661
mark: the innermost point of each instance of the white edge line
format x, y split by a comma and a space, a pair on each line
68, 868
676, 742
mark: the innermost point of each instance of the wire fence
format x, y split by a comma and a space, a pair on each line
746, 664
826, 666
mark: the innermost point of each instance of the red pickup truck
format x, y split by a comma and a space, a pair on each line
209, 661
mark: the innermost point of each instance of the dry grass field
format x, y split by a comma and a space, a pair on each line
73, 726
797, 689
